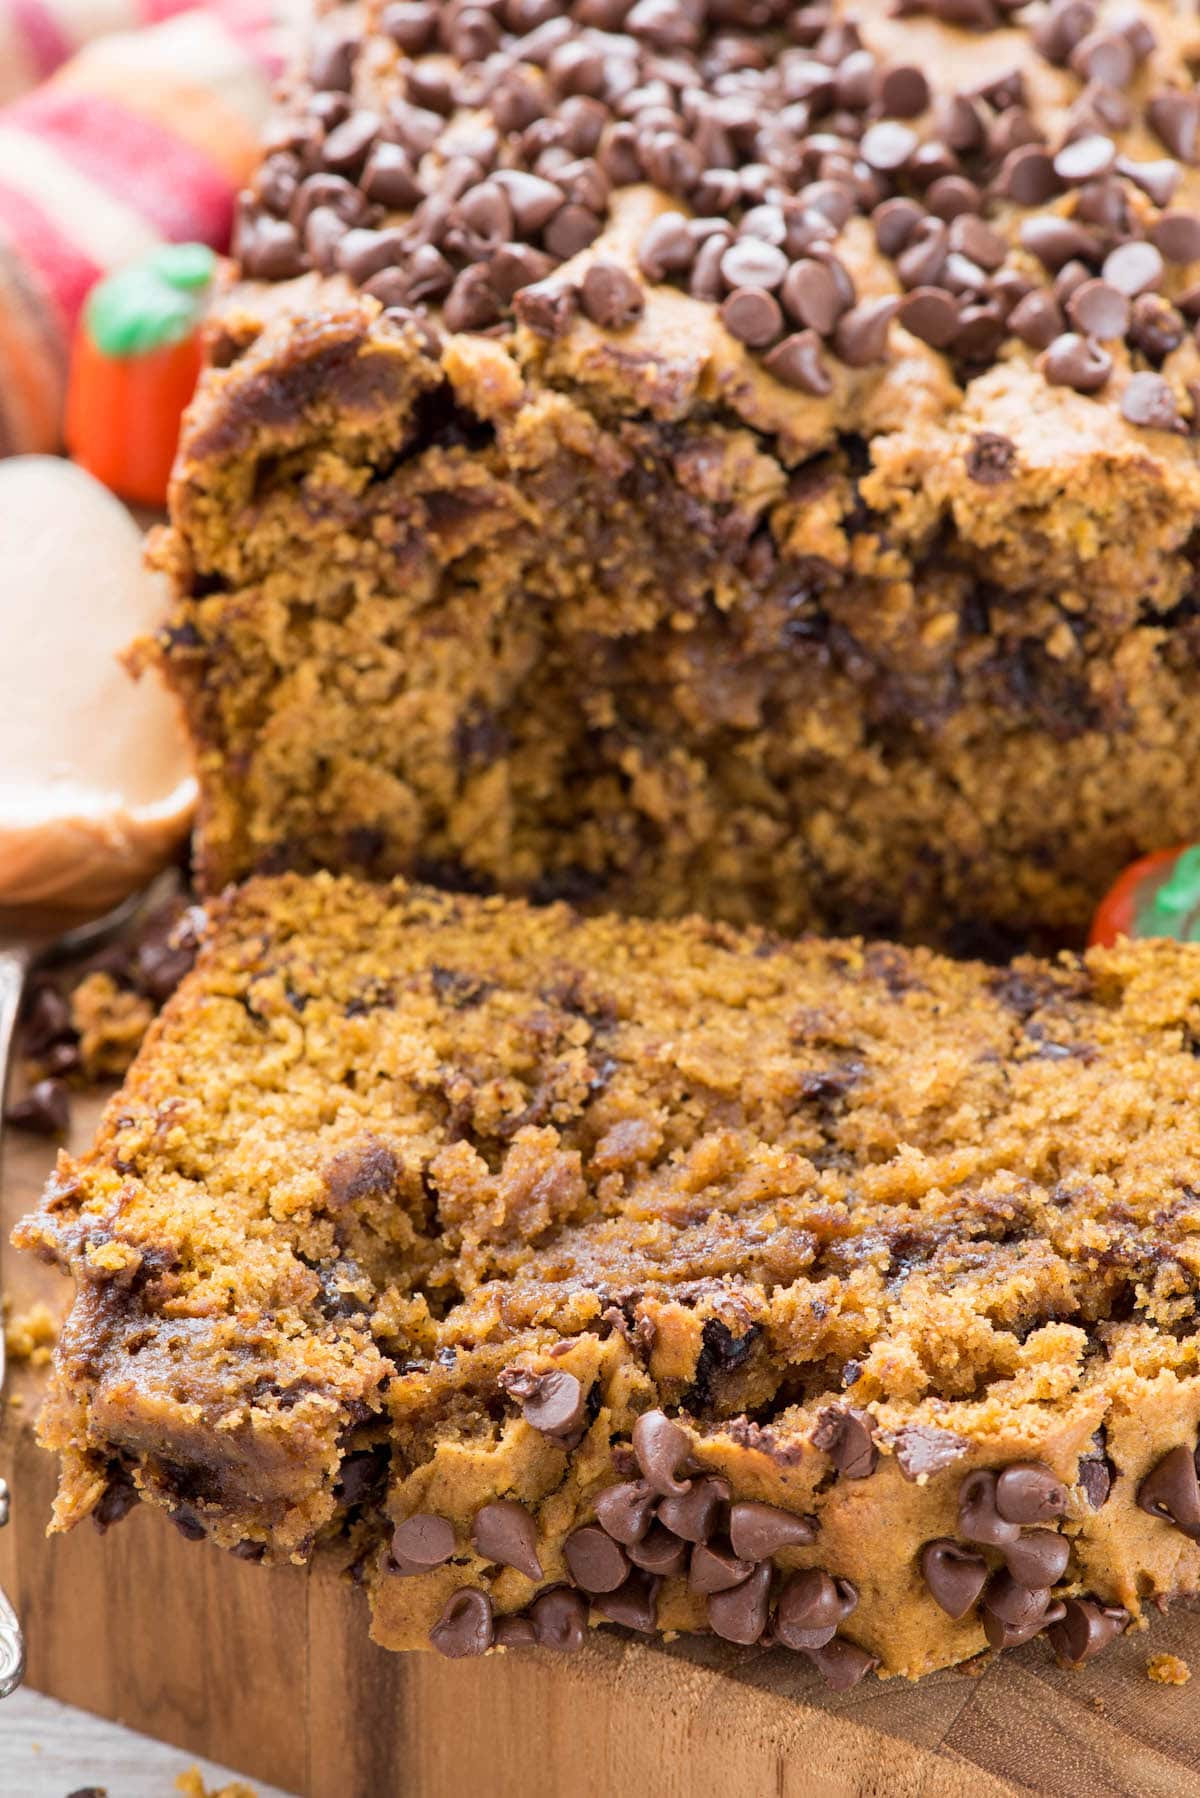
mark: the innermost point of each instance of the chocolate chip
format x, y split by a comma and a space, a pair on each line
559, 1618
919, 264
514, 1632
811, 1605
389, 178
504, 1532
610, 296
1056, 240
625, 1511
923, 1449
860, 336
842, 1664
903, 92
46, 1020
740, 1614
429, 275
465, 1626
661, 1553
991, 459
758, 1531
345, 149
1177, 236
1085, 1627
1037, 319
1175, 116
331, 62
978, 1518
844, 1433
930, 314
810, 295
693, 1515
887, 146
571, 229
534, 201
472, 303
1099, 310
1085, 158
422, 1541
894, 222
1038, 1558
269, 249
955, 1576
1009, 1632
514, 266
662, 1449
667, 247
1134, 267
45, 1109
410, 23
751, 263
556, 1404
596, 1562
1027, 176
797, 362
1073, 361
752, 315
363, 253
1149, 401
634, 1605
1157, 179
715, 1568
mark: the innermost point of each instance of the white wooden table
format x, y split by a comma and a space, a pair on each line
48, 1751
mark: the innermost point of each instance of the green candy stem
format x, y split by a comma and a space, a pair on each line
1170, 904
153, 304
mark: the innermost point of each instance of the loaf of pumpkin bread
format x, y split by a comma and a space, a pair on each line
562, 1271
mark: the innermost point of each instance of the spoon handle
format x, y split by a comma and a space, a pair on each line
14, 965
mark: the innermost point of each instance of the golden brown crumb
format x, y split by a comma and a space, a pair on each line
191, 1785
111, 1022
1168, 1670
30, 1335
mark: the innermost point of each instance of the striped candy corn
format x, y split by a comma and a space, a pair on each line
144, 136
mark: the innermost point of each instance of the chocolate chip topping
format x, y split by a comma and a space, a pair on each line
465, 1626
559, 1618
514, 1632
45, 1110
1029, 1492
715, 1568
740, 1614
955, 1576
758, 1531
1037, 1558
811, 1605
1095, 1476
626, 1510
662, 1449
978, 1518
842, 1664
693, 1515
505, 1532
594, 1560
1148, 400
423, 1541
496, 143
991, 459
844, 1434
1074, 361
661, 1553
555, 1405
1085, 1627
634, 1605
1171, 1491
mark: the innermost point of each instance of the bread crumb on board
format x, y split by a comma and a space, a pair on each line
191, 1785
31, 1335
1168, 1670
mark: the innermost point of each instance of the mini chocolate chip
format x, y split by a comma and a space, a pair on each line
571, 229
331, 62
693, 1515
625, 1511
1134, 268
955, 1576
472, 303
514, 1632
547, 307
559, 1618
797, 362
919, 264
1027, 176
931, 314
667, 247
1037, 319
1057, 240
758, 1531
268, 249
810, 295
610, 296
842, 1664
429, 275
753, 316
634, 1605
595, 1561
345, 149
740, 1614
1073, 361
1098, 310
465, 1626
1029, 1492
715, 1568
556, 1404
1085, 158
903, 92
980, 333
534, 201
504, 1532
811, 1605
894, 222
953, 197
887, 146
422, 1541
389, 178
1175, 116
45, 1109
1157, 179
662, 1448
363, 253
1086, 1627
1148, 400
514, 266
844, 1433
1177, 236
751, 263
660, 1552
860, 336
1038, 1558
1156, 328
978, 1518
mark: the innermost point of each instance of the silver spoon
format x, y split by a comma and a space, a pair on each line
26, 942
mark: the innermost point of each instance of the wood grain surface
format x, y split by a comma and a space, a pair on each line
271, 1671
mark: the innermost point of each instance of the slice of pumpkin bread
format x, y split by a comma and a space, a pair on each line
569, 1269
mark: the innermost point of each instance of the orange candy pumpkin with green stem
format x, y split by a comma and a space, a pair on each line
134, 366
1156, 896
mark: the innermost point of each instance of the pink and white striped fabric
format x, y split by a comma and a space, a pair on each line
37, 36
142, 137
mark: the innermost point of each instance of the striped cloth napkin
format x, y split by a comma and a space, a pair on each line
144, 136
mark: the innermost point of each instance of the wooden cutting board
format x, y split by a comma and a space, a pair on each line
271, 1671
